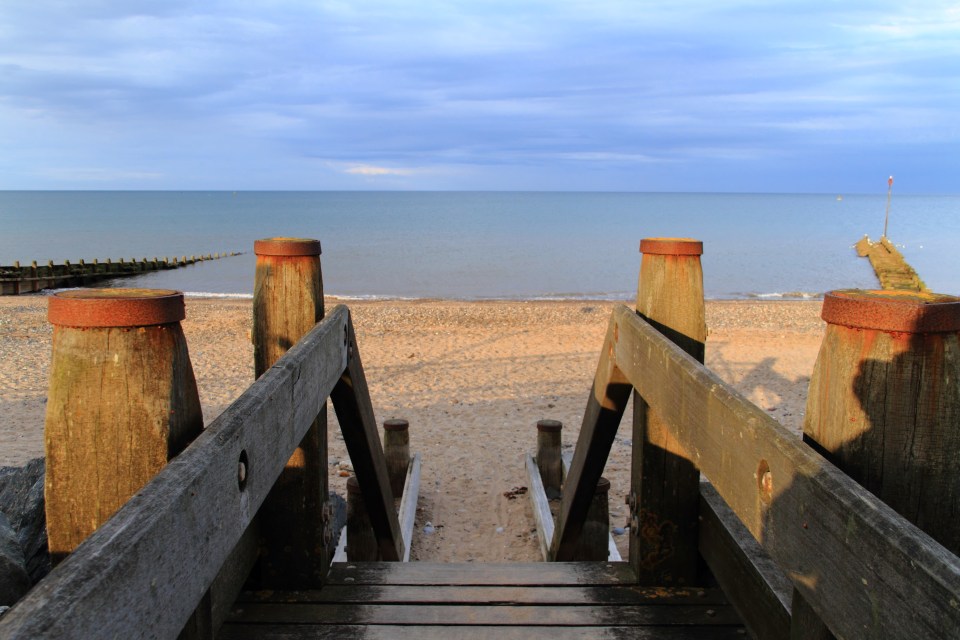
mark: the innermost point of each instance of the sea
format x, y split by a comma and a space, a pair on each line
489, 245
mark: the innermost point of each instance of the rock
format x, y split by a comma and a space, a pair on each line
21, 499
619, 531
14, 581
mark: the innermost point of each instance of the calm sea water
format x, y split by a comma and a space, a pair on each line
486, 244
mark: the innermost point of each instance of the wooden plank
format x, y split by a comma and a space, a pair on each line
446, 594
445, 632
865, 570
351, 401
541, 507
168, 543
485, 614
605, 406
408, 504
613, 553
752, 581
233, 575
469, 573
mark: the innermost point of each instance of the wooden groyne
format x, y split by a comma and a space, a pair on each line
889, 264
16, 278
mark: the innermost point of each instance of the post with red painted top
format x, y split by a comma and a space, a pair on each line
122, 402
294, 520
884, 403
665, 483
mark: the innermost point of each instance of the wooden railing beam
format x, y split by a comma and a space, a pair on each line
865, 570
146, 569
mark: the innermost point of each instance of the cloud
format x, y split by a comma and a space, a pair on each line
369, 170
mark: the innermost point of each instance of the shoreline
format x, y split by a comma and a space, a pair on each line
472, 377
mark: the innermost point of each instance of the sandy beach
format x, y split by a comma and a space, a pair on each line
471, 377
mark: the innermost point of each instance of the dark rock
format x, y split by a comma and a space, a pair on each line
14, 581
21, 499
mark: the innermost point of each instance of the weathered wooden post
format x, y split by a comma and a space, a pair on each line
294, 519
396, 450
361, 541
122, 401
664, 496
594, 544
884, 406
549, 460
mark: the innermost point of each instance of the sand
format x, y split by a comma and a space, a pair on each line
471, 377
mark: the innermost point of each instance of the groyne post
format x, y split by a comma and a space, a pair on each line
396, 450
122, 402
294, 519
362, 543
883, 406
594, 544
549, 461
665, 484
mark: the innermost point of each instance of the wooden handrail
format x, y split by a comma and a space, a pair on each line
146, 569
865, 570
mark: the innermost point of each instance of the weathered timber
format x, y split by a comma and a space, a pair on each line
549, 441
664, 493
595, 534
884, 405
168, 543
889, 265
613, 553
486, 601
443, 632
408, 504
16, 279
351, 402
750, 579
605, 406
541, 506
296, 528
396, 451
122, 401
361, 541
866, 571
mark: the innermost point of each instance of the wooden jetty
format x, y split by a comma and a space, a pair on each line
16, 278
779, 537
888, 263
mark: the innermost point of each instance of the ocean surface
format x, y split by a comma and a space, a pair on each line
479, 245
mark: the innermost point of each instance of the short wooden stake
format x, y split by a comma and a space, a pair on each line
295, 520
122, 401
361, 541
396, 449
665, 483
595, 536
549, 461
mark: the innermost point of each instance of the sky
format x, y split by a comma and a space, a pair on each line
706, 96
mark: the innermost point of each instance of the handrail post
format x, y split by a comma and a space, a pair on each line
883, 406
122, 401
396, 451
549, 460
665, 483
294, 519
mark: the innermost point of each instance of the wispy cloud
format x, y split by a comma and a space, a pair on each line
370, 170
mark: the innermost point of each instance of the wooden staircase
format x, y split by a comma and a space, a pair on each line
466, 600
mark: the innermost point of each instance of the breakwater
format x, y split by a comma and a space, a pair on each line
888, 263
19, 278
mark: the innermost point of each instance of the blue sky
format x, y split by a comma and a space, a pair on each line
749, 96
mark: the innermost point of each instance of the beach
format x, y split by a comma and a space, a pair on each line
471, 377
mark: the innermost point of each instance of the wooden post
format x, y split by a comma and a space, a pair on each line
664, 495
884, 405
295, 519
594, 541
122, 401
396, 449
361, 542
548, 456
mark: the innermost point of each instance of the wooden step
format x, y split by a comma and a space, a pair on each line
467, 600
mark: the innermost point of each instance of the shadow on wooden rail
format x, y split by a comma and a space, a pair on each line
864, 569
